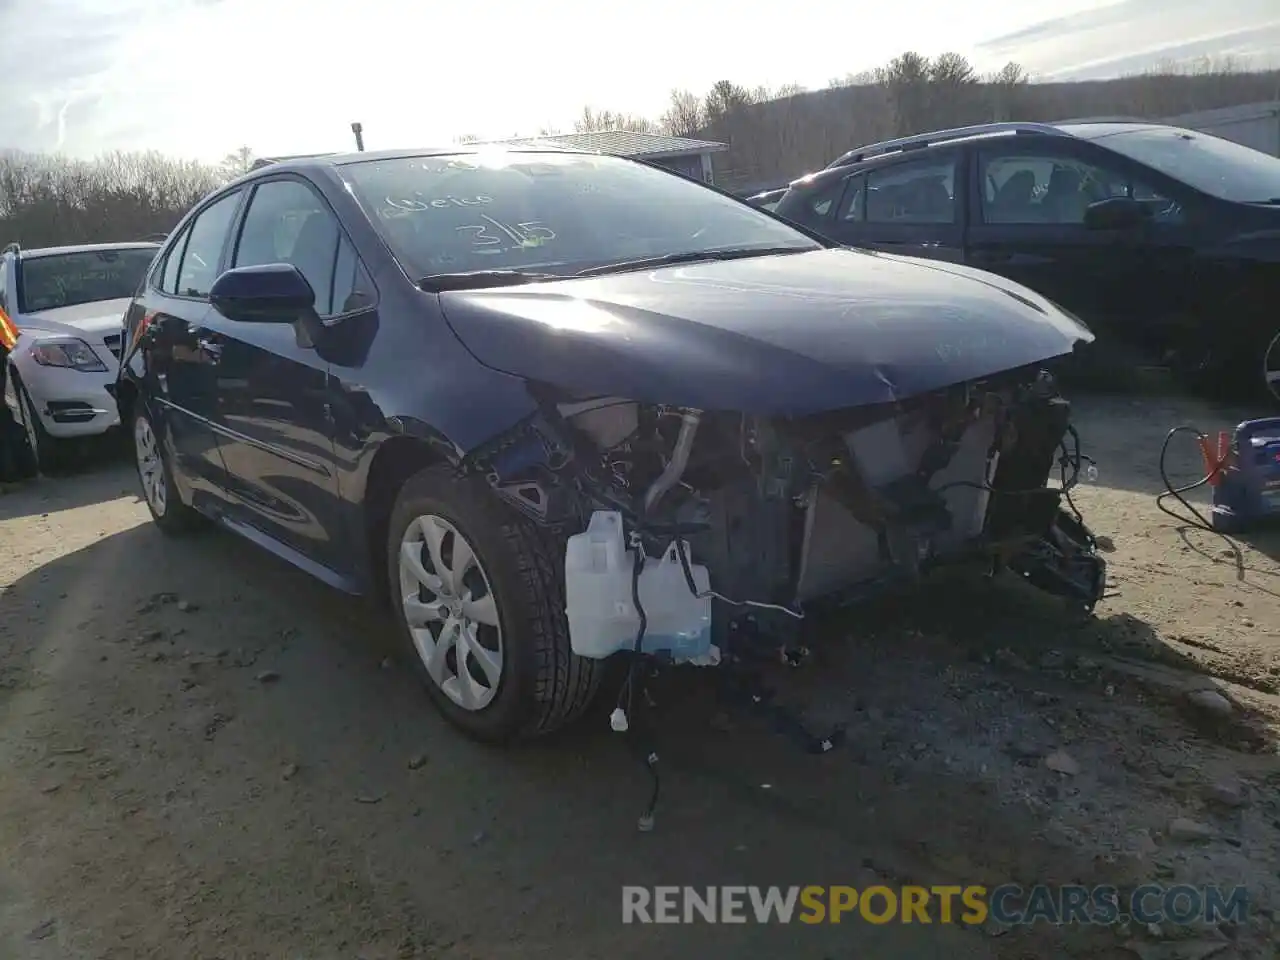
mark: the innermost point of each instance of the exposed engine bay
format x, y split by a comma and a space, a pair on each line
690, 523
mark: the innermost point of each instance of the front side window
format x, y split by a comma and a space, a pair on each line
50, 281
913, 191
287, 222
1220, 168
549, 213
1048, 188
208, 234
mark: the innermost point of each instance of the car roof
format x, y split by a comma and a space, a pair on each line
319, 160
38, 252
1081, 129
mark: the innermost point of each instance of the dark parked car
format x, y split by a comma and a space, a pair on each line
489, 385
1163, 240
767, 199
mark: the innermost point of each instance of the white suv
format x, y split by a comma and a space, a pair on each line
61, 318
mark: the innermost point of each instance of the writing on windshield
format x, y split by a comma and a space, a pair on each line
548, 212
86, 276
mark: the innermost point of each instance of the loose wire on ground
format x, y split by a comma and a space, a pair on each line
1196, 518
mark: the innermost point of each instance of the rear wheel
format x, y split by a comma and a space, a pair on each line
479, 599
167, 509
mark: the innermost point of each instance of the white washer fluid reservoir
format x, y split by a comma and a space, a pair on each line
602, 617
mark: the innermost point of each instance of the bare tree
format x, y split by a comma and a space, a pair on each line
1006, 92
237, 162
724, 99
47, 200
685, 115
597, 121
906, 81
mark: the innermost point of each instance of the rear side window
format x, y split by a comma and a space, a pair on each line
288, 222
914, 191
169, 276
853, 206
206, 237
817, 203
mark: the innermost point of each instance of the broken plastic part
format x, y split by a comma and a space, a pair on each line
618, 720
1091, 473
645, 823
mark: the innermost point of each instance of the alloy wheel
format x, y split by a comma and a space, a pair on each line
150, 467
1271, 367
451, 612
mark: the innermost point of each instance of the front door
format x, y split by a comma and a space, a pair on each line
910, 206
274, 422
1029, 206
181, 358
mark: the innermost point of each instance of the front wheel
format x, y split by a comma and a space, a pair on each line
479, 599
46, 452
168, 511
1271, 368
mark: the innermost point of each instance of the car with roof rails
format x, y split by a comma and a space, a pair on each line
62, 319
555, 407
1165, 241
767, 199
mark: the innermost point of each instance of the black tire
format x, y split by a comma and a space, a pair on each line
172, 516
45, 452
543, 685
1271, 367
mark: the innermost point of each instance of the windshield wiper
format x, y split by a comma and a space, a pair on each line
481, 279
690, 256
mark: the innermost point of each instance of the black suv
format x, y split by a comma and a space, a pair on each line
1162, 239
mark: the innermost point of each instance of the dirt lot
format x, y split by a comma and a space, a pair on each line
207, 754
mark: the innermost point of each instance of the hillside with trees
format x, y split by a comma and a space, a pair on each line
773, 135
776, 135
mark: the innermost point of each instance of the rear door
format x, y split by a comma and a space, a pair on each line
912, 205
1029, 201
180, 358
274, 422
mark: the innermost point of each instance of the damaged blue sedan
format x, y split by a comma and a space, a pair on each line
559, 407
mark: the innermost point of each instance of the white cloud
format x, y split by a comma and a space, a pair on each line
202, 77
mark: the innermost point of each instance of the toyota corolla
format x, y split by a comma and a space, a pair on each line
557, 407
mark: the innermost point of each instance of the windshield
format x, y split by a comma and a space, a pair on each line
85, 276
1219, 167
550, 213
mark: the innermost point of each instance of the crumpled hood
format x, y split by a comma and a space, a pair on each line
783, 335
87, 321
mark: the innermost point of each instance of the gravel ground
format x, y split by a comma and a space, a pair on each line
207, 754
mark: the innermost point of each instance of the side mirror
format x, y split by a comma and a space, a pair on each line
1115, 213
267, 293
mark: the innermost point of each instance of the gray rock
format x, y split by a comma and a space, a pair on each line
1227, 793
1191, 831
1062, 762
1211, 701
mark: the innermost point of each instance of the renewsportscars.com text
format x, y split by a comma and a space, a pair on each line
1008, 904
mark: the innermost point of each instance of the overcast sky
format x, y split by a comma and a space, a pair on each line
199, 78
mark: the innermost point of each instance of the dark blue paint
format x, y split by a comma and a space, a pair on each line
276, 427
